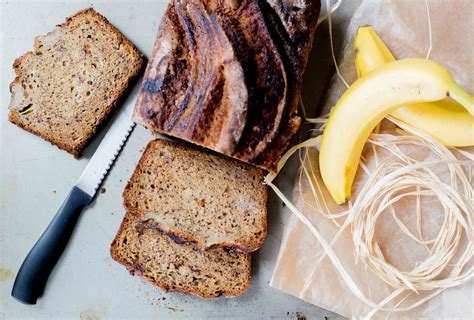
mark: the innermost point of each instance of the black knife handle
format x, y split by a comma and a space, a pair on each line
35, 269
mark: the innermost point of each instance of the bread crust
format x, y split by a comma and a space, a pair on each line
300, 26
128, 223
77, 149
243, 244
220, 107
277, 34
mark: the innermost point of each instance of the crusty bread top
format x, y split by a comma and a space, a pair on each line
200, 197
72, 79
186, 84
178, 267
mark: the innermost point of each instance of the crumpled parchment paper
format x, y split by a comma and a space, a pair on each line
402, 24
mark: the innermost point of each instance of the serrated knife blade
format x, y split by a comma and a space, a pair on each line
40, 261
109, 147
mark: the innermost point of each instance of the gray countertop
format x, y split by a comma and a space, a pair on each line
36, 176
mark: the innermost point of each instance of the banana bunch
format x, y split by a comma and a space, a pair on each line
445, 120
419, 92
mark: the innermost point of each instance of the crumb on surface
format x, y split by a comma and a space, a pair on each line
300, 316
174, 309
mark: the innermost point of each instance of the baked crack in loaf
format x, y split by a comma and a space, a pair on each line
147, 252
199, 197
71, 81
227, 74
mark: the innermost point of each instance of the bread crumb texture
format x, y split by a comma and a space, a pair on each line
147, 252
72, 79
197, 196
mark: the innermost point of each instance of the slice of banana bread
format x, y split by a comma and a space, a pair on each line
146, 251
197, 196
72, 79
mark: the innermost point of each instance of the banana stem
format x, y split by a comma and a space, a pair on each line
458, 94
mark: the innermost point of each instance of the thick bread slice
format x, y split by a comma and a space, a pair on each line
200, 197
146, 251
70, 82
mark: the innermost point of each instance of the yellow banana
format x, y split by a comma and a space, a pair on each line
370, 51
445, 120
367, 101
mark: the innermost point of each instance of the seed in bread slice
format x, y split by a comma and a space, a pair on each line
197, 196
147, 252
71, 81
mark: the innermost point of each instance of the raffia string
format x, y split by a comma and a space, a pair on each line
389, 179
395, 178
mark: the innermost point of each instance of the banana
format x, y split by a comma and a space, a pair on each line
445, 120
367, 101
370, 51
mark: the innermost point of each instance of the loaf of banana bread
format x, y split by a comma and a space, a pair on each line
227, 75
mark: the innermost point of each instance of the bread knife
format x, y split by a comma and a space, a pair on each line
40, 261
